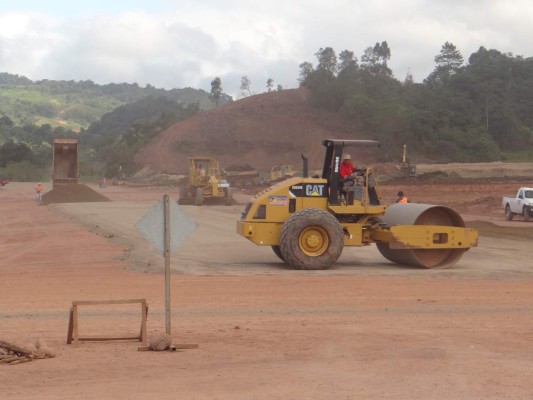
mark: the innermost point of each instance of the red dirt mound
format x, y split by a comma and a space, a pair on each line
72, 194
261, 131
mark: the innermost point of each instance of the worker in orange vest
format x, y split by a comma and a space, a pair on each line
402, 198
38, 192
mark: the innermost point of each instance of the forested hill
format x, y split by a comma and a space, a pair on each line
479, 110
77, 104
112, 122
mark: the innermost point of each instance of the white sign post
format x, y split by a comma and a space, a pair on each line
166, 226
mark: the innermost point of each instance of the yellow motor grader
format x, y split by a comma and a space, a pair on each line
205, 183
308, 220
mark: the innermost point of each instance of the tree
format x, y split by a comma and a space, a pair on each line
279, 87
270, 85
327, 60
327, 64
375, 59
245, 86
216, 90
348, 61
5, 124
306, 69
14, 152
449, 57
448, 62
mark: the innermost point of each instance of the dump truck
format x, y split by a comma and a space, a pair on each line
241, 177
65, 162
205, 183
309, 220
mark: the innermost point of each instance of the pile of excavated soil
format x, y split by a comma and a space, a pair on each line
260, 131
72, 194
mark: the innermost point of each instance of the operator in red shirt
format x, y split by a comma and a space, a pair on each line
346, 167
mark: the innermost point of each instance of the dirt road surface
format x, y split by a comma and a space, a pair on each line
366, 329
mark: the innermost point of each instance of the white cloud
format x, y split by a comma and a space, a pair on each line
172, 43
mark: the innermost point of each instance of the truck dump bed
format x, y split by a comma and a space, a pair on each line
65, 161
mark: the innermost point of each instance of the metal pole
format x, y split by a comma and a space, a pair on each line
167, 263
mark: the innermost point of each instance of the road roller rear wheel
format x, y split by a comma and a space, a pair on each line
311, 239
277, 252
421, 214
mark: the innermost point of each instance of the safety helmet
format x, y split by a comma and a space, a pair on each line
347, 157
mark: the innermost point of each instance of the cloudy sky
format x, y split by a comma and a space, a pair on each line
186, 43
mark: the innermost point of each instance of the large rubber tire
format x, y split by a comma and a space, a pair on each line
277, 252
525, 214
311, 239
229, 196
508, 213
199, 197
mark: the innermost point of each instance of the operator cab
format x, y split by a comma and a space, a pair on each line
353, 185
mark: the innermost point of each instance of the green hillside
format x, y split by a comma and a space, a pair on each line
111, 121
76, 105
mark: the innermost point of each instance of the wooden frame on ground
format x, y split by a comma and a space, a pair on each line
73, 334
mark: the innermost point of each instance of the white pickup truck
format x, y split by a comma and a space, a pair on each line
522, 204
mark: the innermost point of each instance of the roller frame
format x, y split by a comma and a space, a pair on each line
426, 237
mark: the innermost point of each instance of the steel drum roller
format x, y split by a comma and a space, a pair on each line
421, 214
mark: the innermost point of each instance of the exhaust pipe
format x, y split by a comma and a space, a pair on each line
305, 168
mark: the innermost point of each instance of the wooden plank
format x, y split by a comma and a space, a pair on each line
70, 326
102, 302
144, 317
75, 334
185, 346
172, 347
104, 338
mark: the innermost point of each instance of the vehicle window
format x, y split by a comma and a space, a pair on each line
529, 194
520, 194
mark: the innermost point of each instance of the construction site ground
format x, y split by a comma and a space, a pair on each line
365, 329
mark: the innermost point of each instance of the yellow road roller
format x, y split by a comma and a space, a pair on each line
308, 220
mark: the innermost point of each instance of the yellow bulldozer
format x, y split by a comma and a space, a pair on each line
308, 220
205, 183
281, 172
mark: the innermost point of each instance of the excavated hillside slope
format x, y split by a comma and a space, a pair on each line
259, 131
